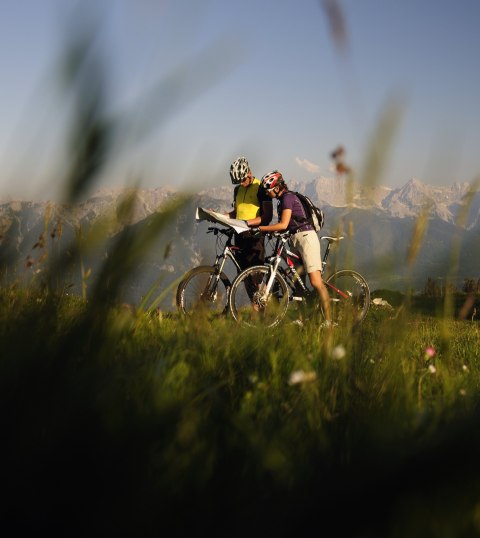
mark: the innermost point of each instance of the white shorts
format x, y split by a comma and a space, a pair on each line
308, 246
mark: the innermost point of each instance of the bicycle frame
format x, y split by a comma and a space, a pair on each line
280, 281
228, 251
291, 259
281, 253
204, 283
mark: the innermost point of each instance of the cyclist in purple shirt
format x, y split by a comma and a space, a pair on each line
292, 217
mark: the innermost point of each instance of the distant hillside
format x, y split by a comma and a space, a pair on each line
378, 227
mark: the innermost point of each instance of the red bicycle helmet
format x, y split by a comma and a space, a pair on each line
272, 180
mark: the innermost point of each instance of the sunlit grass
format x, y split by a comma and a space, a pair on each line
176, 405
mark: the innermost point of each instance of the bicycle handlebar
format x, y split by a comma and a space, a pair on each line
216, 231
288, 234
285, 234
277, 234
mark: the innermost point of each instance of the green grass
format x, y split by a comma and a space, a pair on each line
136, 417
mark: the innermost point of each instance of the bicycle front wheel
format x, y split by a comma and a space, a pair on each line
251, 305
202, 290
349, 297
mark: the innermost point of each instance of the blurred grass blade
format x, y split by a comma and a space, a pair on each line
418, 234
91, 133
180, 87
161, 296
467, 202
131, 244
454, 264
381, 144
336, 23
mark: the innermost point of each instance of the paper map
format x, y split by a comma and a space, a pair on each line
206, 214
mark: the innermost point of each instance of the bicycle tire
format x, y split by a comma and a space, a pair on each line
247, 304
197, 291
349, 296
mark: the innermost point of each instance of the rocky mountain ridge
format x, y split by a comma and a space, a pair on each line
379, 224
415, 197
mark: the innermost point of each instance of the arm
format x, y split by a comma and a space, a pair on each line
280, 226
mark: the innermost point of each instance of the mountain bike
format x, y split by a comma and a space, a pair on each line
282, 281
207, 287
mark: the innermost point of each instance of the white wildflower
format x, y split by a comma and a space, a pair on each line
465, 368
463, 392
299, 376
338, 352
432, 369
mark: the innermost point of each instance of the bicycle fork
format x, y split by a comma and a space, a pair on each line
271, 277
212, 284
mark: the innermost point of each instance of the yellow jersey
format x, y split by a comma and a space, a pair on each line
247, 204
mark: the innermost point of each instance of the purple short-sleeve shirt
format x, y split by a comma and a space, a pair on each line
297, 221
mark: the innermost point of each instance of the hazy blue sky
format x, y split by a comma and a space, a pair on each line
194, 83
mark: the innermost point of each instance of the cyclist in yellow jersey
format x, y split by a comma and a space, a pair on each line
251, 204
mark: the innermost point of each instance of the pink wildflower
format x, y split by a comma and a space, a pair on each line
430, 353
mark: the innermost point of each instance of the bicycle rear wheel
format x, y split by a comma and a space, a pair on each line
249, 303
349, 297
203, 290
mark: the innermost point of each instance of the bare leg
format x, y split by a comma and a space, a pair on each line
317, 283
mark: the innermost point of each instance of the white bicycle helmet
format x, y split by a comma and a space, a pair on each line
239, 170
272, 180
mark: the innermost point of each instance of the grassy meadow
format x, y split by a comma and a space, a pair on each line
122, 421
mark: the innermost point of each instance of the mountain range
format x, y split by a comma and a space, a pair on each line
397, 238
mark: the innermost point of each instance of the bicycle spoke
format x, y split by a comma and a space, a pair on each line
201, 291
349, 297
250, 302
